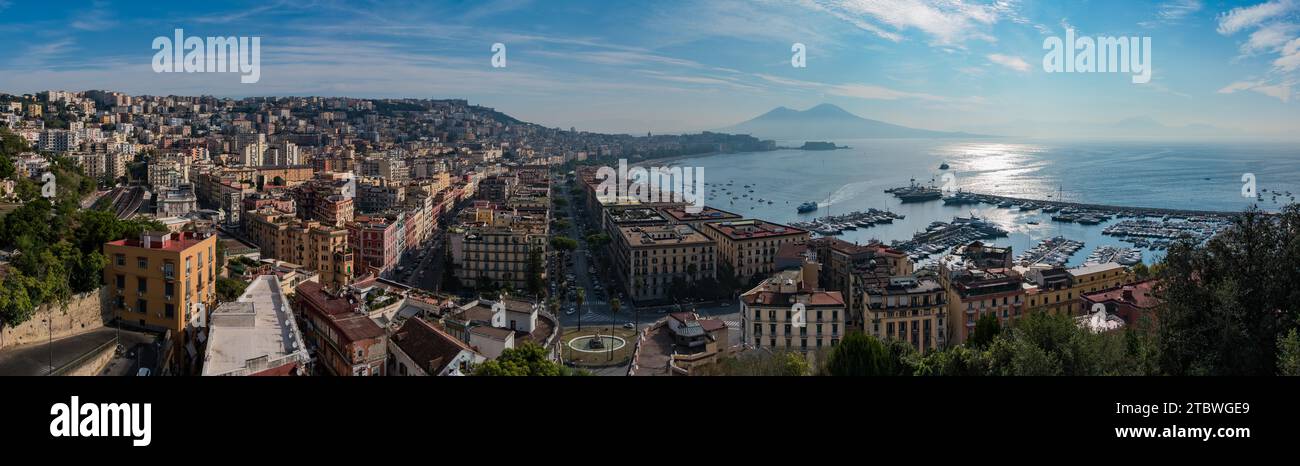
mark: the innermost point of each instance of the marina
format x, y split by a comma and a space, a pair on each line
939, 237
1106, 254
833, 225
1055, 251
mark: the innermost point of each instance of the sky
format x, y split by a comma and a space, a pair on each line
634, 66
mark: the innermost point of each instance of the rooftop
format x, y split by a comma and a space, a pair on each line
753, 229
427, 345
254, 333
708, 213
1095, 268
662, 235
163, 241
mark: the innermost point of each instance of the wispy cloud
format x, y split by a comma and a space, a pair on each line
96, 18
1015, 63
868, 91
945, 22
1178, 9
495, 7
1174, 12
1281, 91
1242, 18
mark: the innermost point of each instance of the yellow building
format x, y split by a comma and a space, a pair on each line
308, 243
909, 309
1058, 290
749, 246
162, 280
769, 313
498, 253
649, 259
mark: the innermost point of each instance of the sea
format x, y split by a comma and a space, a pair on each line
1194, 176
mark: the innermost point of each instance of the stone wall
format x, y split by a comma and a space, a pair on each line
92, 365
85, 312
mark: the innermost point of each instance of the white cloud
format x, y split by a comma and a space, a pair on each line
946, 22
1015, 63
1242, 18
1269, 38
1178, 9
1290, 59
96, 18
1281, 91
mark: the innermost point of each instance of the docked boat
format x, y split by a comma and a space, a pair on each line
921, 194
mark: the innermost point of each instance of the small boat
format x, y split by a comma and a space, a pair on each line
943, 166
807, 207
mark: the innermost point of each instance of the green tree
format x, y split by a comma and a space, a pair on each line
1227, 303
1288, 355
527, 360
534, 272
860, 354
563, 243
229, 289
986, 328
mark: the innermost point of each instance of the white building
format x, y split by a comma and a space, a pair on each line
256, 333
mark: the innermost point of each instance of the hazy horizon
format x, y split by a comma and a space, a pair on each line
689, 66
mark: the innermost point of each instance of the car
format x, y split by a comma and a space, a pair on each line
628, 325
570, 311
144, 372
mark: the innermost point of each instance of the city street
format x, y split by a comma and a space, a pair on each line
596, 310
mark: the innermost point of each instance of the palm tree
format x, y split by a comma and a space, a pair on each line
582, 296
613, 317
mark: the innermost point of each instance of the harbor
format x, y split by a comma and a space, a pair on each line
1054, 251
833, 225
847, 181
940, 237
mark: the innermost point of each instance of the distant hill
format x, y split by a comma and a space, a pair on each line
827, 121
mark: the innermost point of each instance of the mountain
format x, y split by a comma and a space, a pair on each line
827, 121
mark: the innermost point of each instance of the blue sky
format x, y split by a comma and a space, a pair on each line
689, 65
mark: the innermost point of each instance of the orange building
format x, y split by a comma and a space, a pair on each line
162, 281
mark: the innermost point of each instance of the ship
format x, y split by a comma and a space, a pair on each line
922, 194
807, 207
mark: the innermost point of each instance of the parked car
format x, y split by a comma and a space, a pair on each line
629, 325
144, 372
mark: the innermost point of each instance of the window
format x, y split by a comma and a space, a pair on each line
121, 282
141, 306
142, 262
120, 260
142, 284
169, 310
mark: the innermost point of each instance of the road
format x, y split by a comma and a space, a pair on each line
596, 311
35, 358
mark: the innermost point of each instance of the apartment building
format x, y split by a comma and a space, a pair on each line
378, 242
653, 260
911, 309
162, 280
322, 248
770, 312
497, 253
749, 247
843, 263
347, 342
